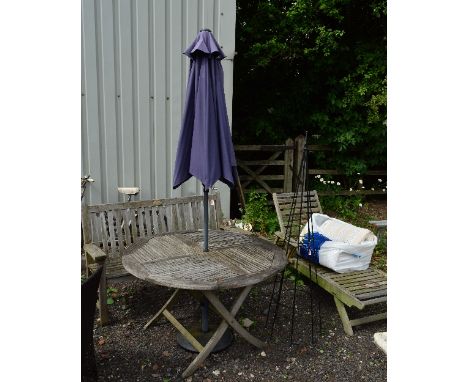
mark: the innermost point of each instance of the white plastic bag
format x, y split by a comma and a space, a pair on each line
352, 253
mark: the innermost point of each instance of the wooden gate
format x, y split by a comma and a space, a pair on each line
274, 168
266, 168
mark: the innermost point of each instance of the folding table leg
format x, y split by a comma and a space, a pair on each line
219, 331
164, 307
224, 313
188, 336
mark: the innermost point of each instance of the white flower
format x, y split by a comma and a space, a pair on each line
380, 180
360, 204
360, 181
362, 187
332, 182
372, 188
359, 173
338, 183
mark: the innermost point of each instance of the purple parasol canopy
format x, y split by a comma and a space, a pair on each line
205, 148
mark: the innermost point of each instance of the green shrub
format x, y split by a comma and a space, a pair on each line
259, 214
346, 207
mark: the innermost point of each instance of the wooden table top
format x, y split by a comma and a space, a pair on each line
177, 260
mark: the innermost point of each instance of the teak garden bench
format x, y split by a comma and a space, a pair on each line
358, 289
108, 229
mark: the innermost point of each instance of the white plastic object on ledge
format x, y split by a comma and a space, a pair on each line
129, 190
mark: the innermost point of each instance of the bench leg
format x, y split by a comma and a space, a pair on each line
344, 317
102, 304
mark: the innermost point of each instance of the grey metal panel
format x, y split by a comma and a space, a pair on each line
159, 52
90, 124
133, 84
143, 98
192, 186
125, 94
175, 84
225, 27
108, 98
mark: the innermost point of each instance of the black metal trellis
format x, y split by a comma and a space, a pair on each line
302, 189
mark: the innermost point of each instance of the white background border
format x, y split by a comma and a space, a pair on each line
427, 167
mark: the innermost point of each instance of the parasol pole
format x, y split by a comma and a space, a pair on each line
205, 219
204, 305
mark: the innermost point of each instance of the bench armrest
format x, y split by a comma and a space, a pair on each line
96, 253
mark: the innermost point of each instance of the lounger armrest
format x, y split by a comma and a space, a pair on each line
281, 236
96, 253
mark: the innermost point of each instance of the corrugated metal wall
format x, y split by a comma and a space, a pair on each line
133, 89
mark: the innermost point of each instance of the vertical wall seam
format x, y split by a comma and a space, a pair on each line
84, 120
102, 140
152, 98
167, 93
118, 95
136, 151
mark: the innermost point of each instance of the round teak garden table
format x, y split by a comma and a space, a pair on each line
177, 260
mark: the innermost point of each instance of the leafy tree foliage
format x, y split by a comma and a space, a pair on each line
316, 65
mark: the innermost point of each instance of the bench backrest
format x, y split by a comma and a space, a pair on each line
297, 218
113, 227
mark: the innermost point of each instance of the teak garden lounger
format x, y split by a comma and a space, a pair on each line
358, 289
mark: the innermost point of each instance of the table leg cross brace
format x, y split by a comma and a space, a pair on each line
228, 320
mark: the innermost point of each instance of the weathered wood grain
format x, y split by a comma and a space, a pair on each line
178, 261
95, 252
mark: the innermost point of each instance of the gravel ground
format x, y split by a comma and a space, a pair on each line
126, 352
